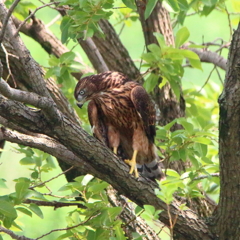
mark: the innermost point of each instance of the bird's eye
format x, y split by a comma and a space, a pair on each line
81, 92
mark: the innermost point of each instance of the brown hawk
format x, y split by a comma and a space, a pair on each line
123, 117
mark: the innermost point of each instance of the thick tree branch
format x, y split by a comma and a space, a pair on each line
93, 54
49, 145
44, 103
6, 19
34, 73
116, 173
211, 57
114, 53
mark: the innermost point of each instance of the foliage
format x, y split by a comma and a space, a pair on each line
196, 142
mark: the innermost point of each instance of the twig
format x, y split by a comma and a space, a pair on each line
226, 45
43, 183
118, 7
219, 76
8, 66
122, 27
63, 229
13, 235
203, 176
207, 78
32, 14
6, 19
54, 204
170, 221
53, 21
101, 63
229, 22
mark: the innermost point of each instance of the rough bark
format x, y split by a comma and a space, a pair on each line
53, 128
112, 170
227, 221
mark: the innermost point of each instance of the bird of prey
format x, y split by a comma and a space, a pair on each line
123, 117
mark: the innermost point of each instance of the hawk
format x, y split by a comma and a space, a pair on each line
123, 117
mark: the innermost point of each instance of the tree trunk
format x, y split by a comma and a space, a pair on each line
227, 215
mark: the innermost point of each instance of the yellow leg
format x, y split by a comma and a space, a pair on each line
132, 164
115, 150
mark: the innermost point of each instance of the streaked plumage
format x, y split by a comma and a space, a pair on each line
122, 116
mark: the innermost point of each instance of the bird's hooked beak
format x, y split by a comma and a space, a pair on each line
80, 101
79, 104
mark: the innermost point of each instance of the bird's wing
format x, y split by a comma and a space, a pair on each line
145, 109
96, 120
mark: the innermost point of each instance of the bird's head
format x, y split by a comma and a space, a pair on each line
89, 88
93, 86
84, 91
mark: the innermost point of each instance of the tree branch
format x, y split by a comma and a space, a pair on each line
54, 204
6, 19
34, 73
68, 228
116, 173
32, 14
44, 103
13, 235
211, 57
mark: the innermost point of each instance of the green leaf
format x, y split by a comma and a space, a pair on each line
21, 189
98, 187
7, 209
149, 209
175, 87
155, 49
172, 173
195, 63
27, 161
187, 126
163, 82
88, 33
7, 222
209, 3
65, 25
34, 175
53, 61
119, 233
169, 125
160, 39
2, 183
87, 178
65, 235
35, 208
149, 8
203, 140
183, 4
25, 211
67, 57
138, 210
148, 57
181, 37
130, 4
174, 4
193, 58
151, 82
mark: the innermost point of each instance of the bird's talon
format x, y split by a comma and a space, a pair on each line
132, 164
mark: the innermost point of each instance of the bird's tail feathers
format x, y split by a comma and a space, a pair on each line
152, 170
